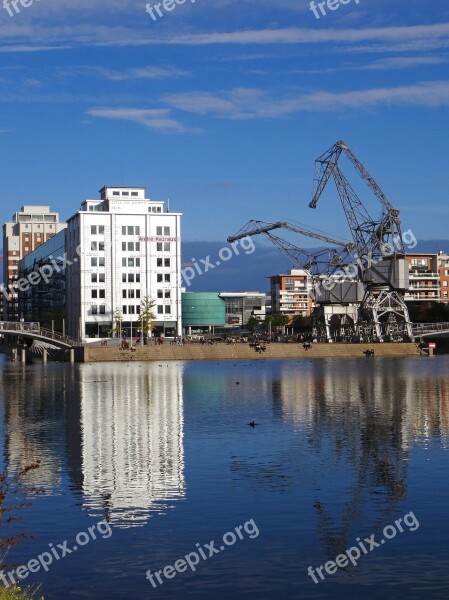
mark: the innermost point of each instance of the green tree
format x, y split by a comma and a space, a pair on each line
147, 315
298, 322
253, 324
278, 321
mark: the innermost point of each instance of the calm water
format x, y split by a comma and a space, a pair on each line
163, 452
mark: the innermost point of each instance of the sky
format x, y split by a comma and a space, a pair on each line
224, 105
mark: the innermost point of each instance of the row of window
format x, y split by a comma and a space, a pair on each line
97, 246
97, 229
134, 194
131, 230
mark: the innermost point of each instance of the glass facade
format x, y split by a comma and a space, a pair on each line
202, 309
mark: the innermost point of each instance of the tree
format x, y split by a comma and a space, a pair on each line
147, 315
297, 322
253, 324
278, 321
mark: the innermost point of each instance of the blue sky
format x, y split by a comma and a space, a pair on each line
223, 106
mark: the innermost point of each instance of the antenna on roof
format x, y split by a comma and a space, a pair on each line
168, 204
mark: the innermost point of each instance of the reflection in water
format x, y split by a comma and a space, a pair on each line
362, 425
35, 404
132, 456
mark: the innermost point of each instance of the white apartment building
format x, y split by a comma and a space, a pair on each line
124, 248
30, 228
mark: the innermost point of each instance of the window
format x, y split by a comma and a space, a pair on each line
137, 277
124, 309
166, 262
123, 293
101, 261
101, 246
94, 246
93, 261
160, 310
159, 262
444, 283
94, 294
125, 193
93, 277
167, 309
102, 293
123, 230
94, 309
167, 278
159, 277
116, 193
166, 230
131, 277
101, 229
138, 310
159, 247
160, 293
130, 230
123, 246
167, 294
130, 246
102, 309
93, 230
134, 194
123, 277
101, 277
137, 293
158, 230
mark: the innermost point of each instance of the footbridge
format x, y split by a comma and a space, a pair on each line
34, 331
429, 329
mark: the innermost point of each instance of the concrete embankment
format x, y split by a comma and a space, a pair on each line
244, 352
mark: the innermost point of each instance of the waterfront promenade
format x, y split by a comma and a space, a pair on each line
244, 352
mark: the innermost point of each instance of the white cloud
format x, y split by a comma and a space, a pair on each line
157, 119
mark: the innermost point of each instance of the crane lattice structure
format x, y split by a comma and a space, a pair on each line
382, 267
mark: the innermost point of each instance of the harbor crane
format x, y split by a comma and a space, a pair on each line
321, 265
382, 267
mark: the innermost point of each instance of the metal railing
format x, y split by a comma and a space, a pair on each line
30, 328
422, 328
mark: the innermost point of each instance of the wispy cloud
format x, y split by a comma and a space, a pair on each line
149, 72
250, 103
157, 119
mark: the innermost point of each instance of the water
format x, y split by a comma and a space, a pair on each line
163, 452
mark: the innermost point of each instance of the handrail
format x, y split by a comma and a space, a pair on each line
38, 330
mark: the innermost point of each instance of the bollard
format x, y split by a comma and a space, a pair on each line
44, 356
72, 355
23, 356
13, 354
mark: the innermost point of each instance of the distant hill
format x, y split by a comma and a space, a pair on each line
248, 270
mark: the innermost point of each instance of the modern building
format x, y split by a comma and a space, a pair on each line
202, 311
240, 306
290, 293
443, 272
30, 227
424, 278
42, 297
122, 249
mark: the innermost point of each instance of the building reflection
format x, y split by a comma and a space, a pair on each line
35, 415
131, 433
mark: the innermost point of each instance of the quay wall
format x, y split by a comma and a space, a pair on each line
244, 352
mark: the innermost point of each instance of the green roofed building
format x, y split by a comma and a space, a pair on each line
202, 311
